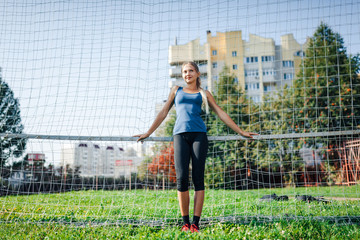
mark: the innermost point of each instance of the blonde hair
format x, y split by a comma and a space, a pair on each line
205, 104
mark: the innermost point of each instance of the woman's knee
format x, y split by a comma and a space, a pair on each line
199, 186
182, 184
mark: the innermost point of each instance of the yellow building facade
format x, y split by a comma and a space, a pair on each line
258, 65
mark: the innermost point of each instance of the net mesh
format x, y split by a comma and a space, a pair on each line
79, 78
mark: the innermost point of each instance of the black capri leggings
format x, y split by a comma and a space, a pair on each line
186, 145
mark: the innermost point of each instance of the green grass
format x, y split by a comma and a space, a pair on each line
153, 206
279, 230
227, 214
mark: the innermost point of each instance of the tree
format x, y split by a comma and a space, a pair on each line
326, 91
164, 163
277, 157
10, 123
228, 160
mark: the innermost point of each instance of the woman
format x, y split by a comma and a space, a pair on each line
190, 139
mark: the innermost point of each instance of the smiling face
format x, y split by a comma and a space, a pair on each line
190, 74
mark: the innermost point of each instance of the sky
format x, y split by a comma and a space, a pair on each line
97, 68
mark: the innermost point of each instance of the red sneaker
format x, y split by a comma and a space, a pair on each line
194, 228
185, 228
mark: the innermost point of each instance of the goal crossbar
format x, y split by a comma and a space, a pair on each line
169, 139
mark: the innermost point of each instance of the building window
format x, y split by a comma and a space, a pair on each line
252, 73
234, 66
288, 63
267, 88
236, 80
214, 65
267, 58
256, 99
288, 76
214, 52
270, 72
234, 53
251, 59
252, 86
299, 54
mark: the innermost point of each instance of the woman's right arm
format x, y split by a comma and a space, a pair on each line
161, 115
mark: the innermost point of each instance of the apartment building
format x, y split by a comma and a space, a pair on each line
192, 51
258, 65
92, 160
107, 161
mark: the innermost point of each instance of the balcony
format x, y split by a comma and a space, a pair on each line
177, 82
203, 69
269, 79
175, 72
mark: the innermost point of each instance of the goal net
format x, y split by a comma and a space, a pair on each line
79, 79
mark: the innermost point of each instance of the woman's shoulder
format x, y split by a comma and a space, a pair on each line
208, 93
174, 89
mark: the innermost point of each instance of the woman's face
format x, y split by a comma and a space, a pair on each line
190, 74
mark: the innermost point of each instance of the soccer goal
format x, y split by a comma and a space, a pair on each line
79, 79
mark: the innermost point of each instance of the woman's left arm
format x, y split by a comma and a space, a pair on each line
225, 117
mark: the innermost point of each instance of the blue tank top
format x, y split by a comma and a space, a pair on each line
188, 110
